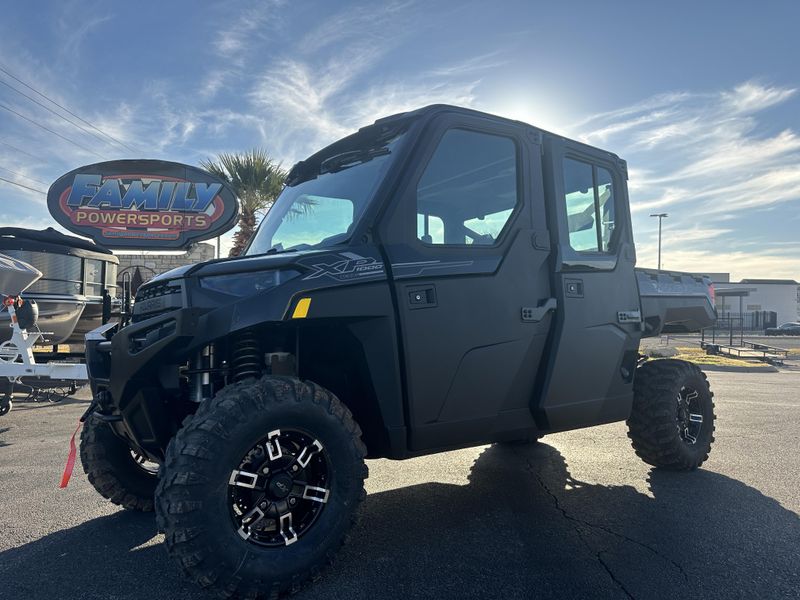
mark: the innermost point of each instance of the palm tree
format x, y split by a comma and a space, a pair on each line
256, 179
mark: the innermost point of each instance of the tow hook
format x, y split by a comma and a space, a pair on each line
92, 407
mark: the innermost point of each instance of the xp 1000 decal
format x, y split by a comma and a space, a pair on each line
351, 266
143, 204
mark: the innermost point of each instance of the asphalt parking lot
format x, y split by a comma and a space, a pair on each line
576, 516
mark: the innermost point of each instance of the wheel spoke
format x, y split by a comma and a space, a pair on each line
248, 520
688, 436
243, 479
317, 494
692, 395
287, 531
695, 418
307, 453
279, 488
274, 449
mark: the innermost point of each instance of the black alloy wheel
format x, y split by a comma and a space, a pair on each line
280, 488
260, 487
671, 425
689, 418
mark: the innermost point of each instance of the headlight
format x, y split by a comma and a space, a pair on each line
246, 284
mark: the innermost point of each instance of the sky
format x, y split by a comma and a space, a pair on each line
700, 98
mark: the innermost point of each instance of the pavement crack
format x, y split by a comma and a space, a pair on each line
577, 522
607, 568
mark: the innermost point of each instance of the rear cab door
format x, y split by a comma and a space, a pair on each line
594, 347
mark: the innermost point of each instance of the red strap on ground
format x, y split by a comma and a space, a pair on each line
73, 452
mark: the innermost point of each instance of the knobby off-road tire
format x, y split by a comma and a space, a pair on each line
672, 422
113, 470
206, 474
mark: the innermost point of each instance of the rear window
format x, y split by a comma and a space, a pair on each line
591, 206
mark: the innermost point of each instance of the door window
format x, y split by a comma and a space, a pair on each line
94, 277
590, 203
468, 191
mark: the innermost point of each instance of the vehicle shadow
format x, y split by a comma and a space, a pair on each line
2, 441
522, 527
23, 402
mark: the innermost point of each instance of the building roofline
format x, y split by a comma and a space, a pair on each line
769, 281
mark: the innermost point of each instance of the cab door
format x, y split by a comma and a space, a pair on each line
596, 335
468, 250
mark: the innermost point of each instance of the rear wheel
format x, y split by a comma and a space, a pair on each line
260, 487
117, 472
672, 422
5, 405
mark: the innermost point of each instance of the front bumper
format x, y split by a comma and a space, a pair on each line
134, 376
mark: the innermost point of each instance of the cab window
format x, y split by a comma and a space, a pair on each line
468, 191
590, 204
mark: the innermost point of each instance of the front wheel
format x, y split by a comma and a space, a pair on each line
260, 487
117, 472
672, 421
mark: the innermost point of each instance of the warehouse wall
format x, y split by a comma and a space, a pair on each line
782, 298
150, 264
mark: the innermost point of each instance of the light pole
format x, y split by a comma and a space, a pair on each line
660, 216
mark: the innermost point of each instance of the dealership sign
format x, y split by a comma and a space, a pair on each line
143, 204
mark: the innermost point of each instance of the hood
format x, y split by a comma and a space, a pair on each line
239, 264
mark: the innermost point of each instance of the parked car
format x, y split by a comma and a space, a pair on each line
785, 329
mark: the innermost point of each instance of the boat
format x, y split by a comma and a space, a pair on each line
16, 276
76, 273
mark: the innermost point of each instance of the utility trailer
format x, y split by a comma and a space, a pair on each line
440, 279
674, 302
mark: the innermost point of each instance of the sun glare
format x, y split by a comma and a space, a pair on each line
534, 112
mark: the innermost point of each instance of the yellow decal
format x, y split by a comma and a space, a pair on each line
301, 310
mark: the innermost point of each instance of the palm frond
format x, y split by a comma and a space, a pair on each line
256, 179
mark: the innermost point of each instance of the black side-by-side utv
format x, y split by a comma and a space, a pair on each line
440, 279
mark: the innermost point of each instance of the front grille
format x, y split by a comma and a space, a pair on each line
147, 337
157, 298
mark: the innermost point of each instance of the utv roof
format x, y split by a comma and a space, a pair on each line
398, 119
434, 108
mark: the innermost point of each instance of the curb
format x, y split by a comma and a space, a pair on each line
731, 369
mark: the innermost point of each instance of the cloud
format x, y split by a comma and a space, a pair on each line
770, 263
751, 97
309, 107
707, 158
255, 18
72, 25
334, 83
369, 22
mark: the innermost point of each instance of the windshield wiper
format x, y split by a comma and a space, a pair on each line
279, 249
351, 158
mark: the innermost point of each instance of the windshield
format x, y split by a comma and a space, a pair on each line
320, 207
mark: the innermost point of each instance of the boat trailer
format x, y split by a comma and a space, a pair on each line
17, 359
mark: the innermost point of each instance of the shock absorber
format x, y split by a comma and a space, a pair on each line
204, 363
246, 358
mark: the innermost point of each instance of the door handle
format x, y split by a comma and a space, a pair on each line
534, 314
421, 296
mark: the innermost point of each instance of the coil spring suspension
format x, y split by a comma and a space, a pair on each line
246, 360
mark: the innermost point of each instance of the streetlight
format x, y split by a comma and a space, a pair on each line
660, 216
